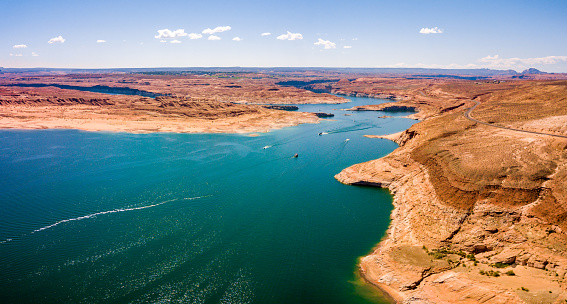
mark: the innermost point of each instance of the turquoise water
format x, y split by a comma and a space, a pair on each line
91, 217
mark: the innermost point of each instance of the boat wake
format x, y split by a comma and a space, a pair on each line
102, 213
111, 211
356, 127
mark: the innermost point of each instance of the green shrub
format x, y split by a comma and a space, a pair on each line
510, 273
500, 265
437, 255
490, 273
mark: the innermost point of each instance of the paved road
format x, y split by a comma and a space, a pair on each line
468, 116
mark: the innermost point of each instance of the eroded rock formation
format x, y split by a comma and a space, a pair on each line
480, 213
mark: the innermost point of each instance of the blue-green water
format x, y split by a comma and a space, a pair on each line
192, 218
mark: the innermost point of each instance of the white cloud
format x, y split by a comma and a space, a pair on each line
347, 47
265, 34
507, 63
490, 62
20, 46
354, 39
433, 30
100, 41
175, 41
163, 41
434, 66
328, 44
237, 39
218, 29
213, 37
16, 55
34, 54
56, 40
195, 36
166, 33
290, 36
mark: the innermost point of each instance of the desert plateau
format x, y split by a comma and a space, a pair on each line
479, 202
243, 152
478, 184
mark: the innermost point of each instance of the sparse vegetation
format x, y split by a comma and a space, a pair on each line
443, 252
437, 255
500, 265
490, 273
510, 273
524, 288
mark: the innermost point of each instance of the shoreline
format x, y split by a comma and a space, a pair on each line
430, 214
382, 290
393, 137
93, 119
390, 292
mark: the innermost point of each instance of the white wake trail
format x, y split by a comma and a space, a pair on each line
111, 211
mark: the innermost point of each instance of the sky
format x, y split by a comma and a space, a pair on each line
429, 34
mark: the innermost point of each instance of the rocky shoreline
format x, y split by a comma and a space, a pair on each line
437, 250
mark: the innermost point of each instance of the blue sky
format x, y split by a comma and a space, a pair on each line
438, 34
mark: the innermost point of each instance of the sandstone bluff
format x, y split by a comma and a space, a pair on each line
480, 213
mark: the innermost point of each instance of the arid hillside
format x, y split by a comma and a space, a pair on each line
480, 212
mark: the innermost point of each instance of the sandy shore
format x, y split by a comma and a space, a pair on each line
391, 137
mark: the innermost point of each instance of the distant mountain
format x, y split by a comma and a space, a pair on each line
533, 71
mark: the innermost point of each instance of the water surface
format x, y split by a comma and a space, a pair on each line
96, 89
91, 217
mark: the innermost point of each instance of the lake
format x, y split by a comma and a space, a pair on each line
95, 217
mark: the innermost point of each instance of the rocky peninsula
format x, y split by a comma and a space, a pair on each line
212, 103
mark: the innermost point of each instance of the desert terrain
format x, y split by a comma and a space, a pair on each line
479, 210
186, 104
